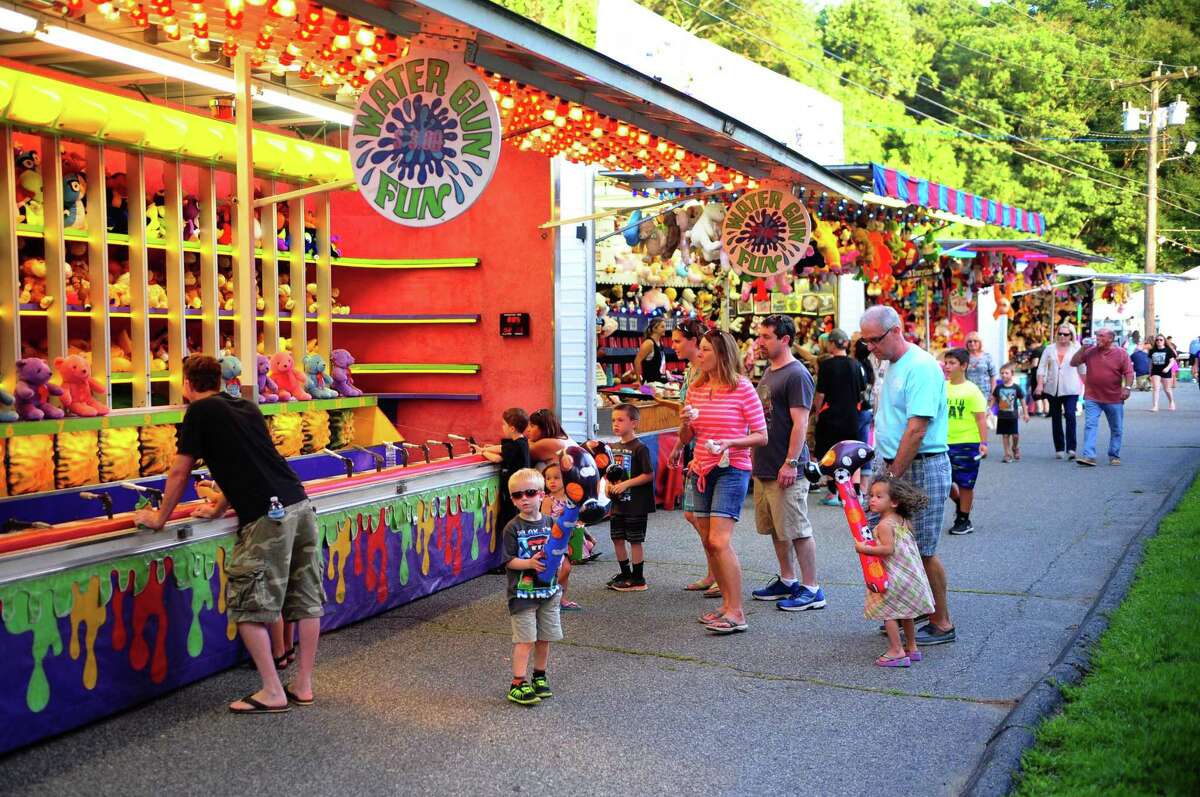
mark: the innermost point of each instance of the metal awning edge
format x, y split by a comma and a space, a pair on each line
1053, 250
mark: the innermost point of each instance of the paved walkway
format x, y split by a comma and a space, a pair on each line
412, 702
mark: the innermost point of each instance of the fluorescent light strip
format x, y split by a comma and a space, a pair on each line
173, 68
16, 22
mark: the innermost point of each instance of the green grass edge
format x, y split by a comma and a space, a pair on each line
1132, 725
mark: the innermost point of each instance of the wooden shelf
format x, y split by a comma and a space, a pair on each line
126, 378
447, 262
369, 318
416, 368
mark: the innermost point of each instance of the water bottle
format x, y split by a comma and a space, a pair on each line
276, 510
389, 456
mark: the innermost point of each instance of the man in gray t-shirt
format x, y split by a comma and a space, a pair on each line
780, 492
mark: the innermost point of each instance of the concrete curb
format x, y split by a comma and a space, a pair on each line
1001, 761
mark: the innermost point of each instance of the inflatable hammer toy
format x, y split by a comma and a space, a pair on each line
581, 482
839, 462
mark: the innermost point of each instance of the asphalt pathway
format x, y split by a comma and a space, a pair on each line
412, 702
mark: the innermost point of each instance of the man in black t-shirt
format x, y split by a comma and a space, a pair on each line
275, 567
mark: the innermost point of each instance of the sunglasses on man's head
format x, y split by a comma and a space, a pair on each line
526, 493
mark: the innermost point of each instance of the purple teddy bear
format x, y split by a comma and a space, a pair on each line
340, 361
34, 391
268, 391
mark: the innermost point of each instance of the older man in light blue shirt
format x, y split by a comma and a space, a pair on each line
910, 438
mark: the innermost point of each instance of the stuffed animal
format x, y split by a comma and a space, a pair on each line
315, 381
79, 282
34, 390
78, 386
33, 283
8, 411
685, 218
291, 384
268, 391
224, 224
156, 218
118, 208
632, 230
706, 234
340, 361
156, 295
74, 215
191, 291
30, 208
191, 218
231, 371
825, 242
310, 295
119, 294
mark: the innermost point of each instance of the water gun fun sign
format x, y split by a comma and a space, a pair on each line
425, 140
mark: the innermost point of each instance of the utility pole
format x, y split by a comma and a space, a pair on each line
1155, 84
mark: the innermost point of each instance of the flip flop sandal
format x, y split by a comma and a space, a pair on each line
713, 592
570, 606
697, 586
285, 659
724, 625
915, 656
291, 696
709, 617
259, 708
884, 661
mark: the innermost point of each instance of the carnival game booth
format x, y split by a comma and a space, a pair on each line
380, 184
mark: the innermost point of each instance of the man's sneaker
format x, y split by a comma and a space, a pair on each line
616, 578
1058, 455
930, 635
630, 584
523, 695
962, 526
775, 590
1070, 455
1088, 461
541, 687
805, 599
1114, 460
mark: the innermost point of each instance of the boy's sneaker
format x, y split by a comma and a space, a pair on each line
629, 584
805, 599
611, 583
541, 687
776, 590
523, 695
962, 526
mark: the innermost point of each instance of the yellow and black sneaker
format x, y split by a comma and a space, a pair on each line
524, 695
541, 687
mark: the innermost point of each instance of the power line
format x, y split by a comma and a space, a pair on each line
919, 112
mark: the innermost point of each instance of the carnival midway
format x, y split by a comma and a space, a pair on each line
386, 387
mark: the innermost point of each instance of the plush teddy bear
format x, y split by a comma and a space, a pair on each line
30, 208
156, 295
34, 390
706, 233
231, 371
8, 412
315, 381
191, 218
79, 282
268, 391
291, 384
340, 361
310, 294
156, 218
115, 187
74, 213
191, 292
78, 386
654, 299
33, 283
119, 294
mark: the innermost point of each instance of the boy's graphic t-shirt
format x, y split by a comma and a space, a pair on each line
1008, 400
964, 402
634, 458
522, 539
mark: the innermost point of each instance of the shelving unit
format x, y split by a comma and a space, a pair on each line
416, 368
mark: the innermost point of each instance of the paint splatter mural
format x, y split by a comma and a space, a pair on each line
87, 642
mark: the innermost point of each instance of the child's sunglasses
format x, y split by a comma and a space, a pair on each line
525, 493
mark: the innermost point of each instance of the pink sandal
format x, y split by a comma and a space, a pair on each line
884, 661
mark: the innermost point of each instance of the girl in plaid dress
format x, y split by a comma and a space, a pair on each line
908, 595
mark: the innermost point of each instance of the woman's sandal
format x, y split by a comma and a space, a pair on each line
570, 606
286, 659
914, 656
714, 591
725, 625
259, 708
710, 617
698, 586
901, 661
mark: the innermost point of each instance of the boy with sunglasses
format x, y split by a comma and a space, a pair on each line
533, 605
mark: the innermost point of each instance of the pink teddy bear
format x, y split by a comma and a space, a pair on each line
78, 386
290, 383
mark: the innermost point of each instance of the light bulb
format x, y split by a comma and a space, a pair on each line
365, 36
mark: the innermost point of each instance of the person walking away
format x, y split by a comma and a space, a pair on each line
908, 595
1060, 381
275, 566
650, 362
512, 454
725, 418
780, 492
632, 500
966, 436
533, 606
685, 340
866, 405
911, 423
982, 371
1162, 359
1140, 358
1008, 402
840, 387
1106, 383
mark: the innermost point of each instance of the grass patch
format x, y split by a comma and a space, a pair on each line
1132, 726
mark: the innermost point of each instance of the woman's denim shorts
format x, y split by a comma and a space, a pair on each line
724, 494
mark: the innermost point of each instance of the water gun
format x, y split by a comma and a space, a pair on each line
839, 463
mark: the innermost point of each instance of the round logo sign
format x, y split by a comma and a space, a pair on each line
425, 139
766, 233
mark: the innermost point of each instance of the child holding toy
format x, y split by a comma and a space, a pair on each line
533, 606
512, 454
1008, 399
908, 596
553, 504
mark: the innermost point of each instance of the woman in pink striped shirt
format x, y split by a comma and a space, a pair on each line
725, 417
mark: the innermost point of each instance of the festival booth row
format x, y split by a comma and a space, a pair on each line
369, 257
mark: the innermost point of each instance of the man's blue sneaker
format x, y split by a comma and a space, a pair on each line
804, 599
776, 590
